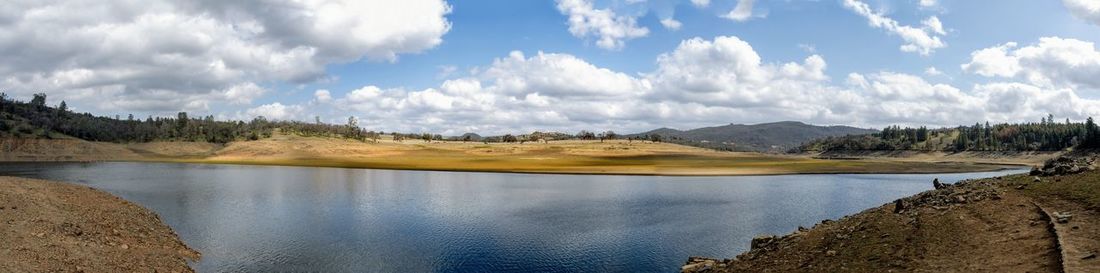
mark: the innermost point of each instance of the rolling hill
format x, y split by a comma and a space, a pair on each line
764, 137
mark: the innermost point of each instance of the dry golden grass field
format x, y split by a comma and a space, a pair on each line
566, 156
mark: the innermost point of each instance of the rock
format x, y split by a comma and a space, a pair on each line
936, 184
1062, 217
830, 253
1037, 179
1064, 165
762, 241
700, 264
125, 246
899, 206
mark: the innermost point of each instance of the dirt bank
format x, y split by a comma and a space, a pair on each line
985, 157
50, 226
1007, 224
565, 157
47, 150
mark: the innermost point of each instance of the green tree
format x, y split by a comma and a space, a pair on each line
181, 123
1092, 134
39, 101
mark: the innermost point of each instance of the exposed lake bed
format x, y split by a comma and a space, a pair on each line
262, 218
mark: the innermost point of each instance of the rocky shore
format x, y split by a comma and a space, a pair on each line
1045, 222
50, 226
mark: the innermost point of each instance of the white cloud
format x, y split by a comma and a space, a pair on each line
162, 56
700, 3
933, 25
742, 12
920, 40
244, 93
727, 71
932, 71
928, 3
610, 30
1088, 10
559, 75
1053, 62
671, 24
276, 111
700, 83
322, 95
993, 61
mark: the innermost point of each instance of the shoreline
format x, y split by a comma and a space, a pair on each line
53, 226
1013, 223
992, 167
558, 157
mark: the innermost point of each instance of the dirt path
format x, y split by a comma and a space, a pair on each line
59, 227
1079, 234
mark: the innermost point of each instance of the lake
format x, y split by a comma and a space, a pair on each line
270, 218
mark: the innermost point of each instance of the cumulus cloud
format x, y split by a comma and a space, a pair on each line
924, 40
322, 95
671, 24
702, 82
928, 3
727, 71
276, 111
163, 56
700, 3
1088, 10
559, 75
1053, 62
933, 71
742, 12
609, 29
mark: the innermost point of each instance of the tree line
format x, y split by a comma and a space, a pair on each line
1046, 135
34, 119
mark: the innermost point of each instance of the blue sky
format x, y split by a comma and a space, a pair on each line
457, 66
487, 29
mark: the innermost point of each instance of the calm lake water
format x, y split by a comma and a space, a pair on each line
265, 218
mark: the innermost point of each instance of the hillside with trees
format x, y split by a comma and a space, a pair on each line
34, 119
1046, 135
773, 137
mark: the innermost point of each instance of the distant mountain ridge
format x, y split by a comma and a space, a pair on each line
764, 137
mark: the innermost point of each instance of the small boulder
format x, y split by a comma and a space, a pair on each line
1035, 171
960, 199
762, 241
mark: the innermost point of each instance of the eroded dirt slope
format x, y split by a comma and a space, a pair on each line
59, 227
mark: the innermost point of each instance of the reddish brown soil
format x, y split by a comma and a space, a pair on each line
58, 227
